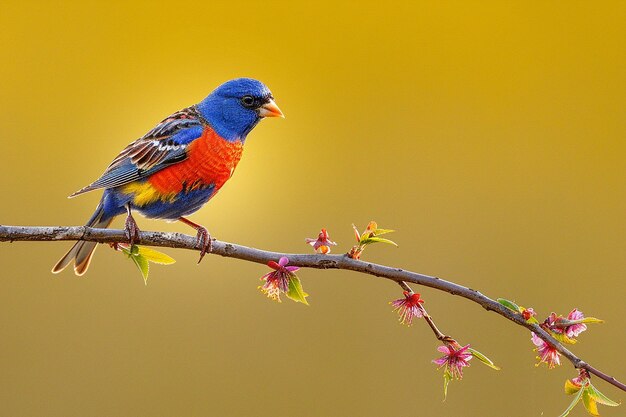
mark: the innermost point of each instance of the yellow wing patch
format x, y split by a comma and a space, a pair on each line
145, 193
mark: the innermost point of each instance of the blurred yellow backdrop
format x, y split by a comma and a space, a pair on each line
490, 135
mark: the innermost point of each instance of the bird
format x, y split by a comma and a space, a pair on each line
178, 166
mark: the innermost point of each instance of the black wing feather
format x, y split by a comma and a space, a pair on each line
164, 145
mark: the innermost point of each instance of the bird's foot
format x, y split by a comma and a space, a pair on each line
204, 241
131, 229
203, 238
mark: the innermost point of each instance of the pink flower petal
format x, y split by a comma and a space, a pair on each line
397, 303
537, 340
444, 349
463, 350
440, 361
575, 329
575, 315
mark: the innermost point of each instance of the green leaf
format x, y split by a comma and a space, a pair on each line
571, 388
295, 292
572, 404
155, 256
562, 337
565, 322
591, 320
379, 232
447, 377
590, 403
599, 397
370, 240
483, 359
509, 304
141, 256
142, 265
129, 251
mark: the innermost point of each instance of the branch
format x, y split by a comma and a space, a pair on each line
231, 250
427, 317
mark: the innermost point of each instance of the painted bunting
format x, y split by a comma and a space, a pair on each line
178, 166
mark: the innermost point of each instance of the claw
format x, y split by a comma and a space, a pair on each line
131, 229
204, 241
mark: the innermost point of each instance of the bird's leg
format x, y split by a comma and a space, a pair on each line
130, 228
203, 238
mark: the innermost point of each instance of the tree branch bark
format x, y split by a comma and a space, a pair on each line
318, 261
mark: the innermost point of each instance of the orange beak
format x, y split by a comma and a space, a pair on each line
270, 109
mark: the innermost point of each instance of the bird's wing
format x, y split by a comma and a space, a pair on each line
161, 147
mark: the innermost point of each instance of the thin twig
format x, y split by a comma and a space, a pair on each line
427, 317
178, 240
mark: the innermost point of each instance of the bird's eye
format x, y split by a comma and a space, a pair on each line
247, 101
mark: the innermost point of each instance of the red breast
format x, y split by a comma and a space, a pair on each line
211, 160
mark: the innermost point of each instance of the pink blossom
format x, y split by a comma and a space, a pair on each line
581, 379
575, 329
277, 281
455, 359
547, 353
322, 242
527, 313
408, 307
561, 325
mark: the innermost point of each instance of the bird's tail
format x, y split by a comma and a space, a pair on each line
82, 251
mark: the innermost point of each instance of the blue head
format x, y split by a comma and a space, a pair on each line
235, 107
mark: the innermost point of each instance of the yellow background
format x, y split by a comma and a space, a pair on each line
490, 135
